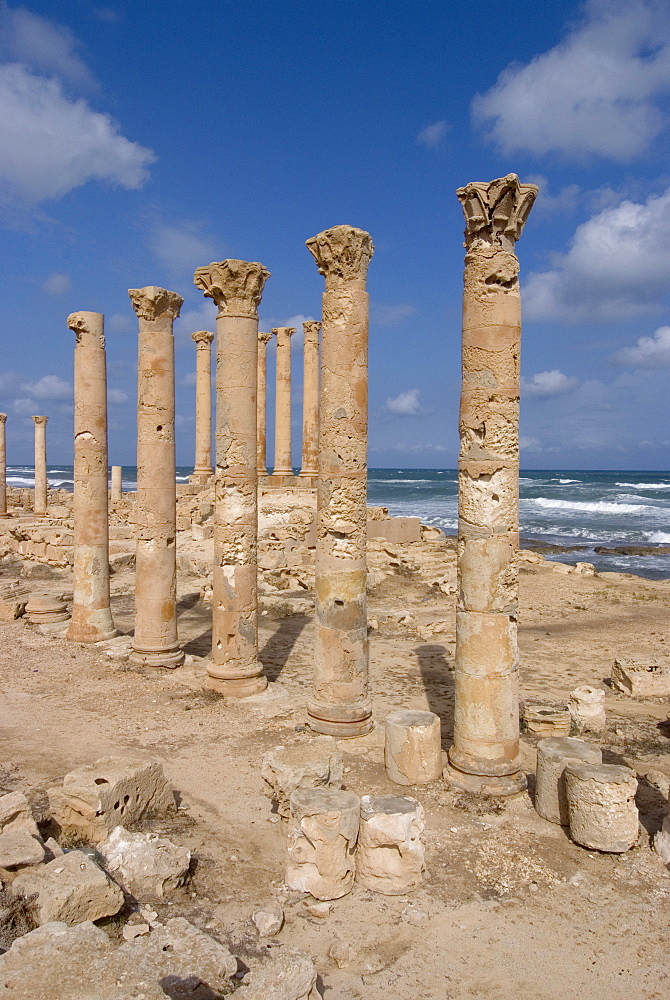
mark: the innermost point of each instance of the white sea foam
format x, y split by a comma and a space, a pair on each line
595, 506
563, 482
646, 486
659, 537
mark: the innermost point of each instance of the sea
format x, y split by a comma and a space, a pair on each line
582, 513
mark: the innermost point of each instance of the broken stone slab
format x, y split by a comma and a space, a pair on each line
601, 805
268, 920
145, 865
71, 889
15, 813
289, 975
413, 748
539, 720
390, 854
178, 951
316, 763
114, 790
642, 678
587, 709
13, 600
323, 828
19, 849
553, 756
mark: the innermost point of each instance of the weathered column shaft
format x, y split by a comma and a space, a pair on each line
310, 399
484, 755
283, 457
340, 705
203, 407
41, 483
155, 642
262, 402
91, 616
117, 483
236, 287
3, 466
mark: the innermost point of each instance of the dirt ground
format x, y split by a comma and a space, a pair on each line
510, 907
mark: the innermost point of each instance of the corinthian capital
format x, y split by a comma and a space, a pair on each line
40, 421
496, 210
151, 302
3, 418
342, 253
235, 285
264, 338
202, 338
284, 334
311, 328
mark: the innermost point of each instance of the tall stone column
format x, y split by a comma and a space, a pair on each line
339, 705
3, 467
484, 757
203, 407
262, 402
283, 458
91, 615
155, 641
236, 286
41, 483
310, 398
117, 484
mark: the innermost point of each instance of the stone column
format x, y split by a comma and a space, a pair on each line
117, 483
310, 398
155, 641
3, 467
41, 482
203, 408
236, 287
339, 705
283, 457
484, 757
261, 403
91, 616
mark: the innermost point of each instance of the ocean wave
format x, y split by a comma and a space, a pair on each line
596, 506
384, 481
565, 481
659, 537
645, 486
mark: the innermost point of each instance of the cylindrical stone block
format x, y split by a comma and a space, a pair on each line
236, 287
587, 708
484, 757
413, 748
310, 399
340, 704
553, 756
283, 465
390, 854
323, 828
202, 470
262, 403
41, 481
117, 483
3, 466
601, 804
91, 614
155, 642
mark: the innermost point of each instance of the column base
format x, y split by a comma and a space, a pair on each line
200, 477
339, 721
169, 658
495, 785
308, 472
237, 687
85, 634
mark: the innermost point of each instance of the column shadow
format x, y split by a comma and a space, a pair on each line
277, 649
438, 681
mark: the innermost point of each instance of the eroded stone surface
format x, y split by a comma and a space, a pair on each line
283, 465
553, 755
178, 949
70, 888
41, 494
642, 678
310, 398
587, 709
413, 748
202, 470
144, 864
314, 764
390, 854
289, 975
601, 806
323, 828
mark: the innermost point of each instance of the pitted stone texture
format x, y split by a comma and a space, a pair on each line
98, 797
314, 764
70, 888
178, 951
540, 720
289, 975
323, 828
57, 962
13, 600
390, 854
144, 864
413, 748
601, 804
553, 755
642, 678
587, 708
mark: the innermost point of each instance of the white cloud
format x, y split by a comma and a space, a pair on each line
202, 318
563, 202
529, 444
116, 396
617, 267
432, 135
550, 383
57, 284
50, 144
24, 407
182, 247
48, 387
648, 352
406, 403
390, 315
595, 93
47, 47
118, 323
188, 379
416, 449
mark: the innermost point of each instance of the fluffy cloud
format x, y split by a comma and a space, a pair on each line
406, 403
551, 383
595, 93
432, 135
382, 315
48, 387
617, 267
182, 248
47, 47
648, 352
57, 284
50, 144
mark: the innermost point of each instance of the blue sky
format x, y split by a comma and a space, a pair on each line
141, 140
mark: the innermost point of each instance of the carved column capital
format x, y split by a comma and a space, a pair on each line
151, 302
311, 328
39, 421
87, 322
342, 254
283, 333
496, 211
3, 418
265, 338
236, 286
202, 338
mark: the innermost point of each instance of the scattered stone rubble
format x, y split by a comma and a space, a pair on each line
145, 865
313, 764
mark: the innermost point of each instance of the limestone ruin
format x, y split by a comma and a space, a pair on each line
283, 465
202, 470
41, 482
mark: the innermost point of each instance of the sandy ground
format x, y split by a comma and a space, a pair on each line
510, 907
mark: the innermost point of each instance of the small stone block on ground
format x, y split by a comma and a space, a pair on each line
144, 864
642, 678
179, 949
316, 763
71, 889
288, 975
